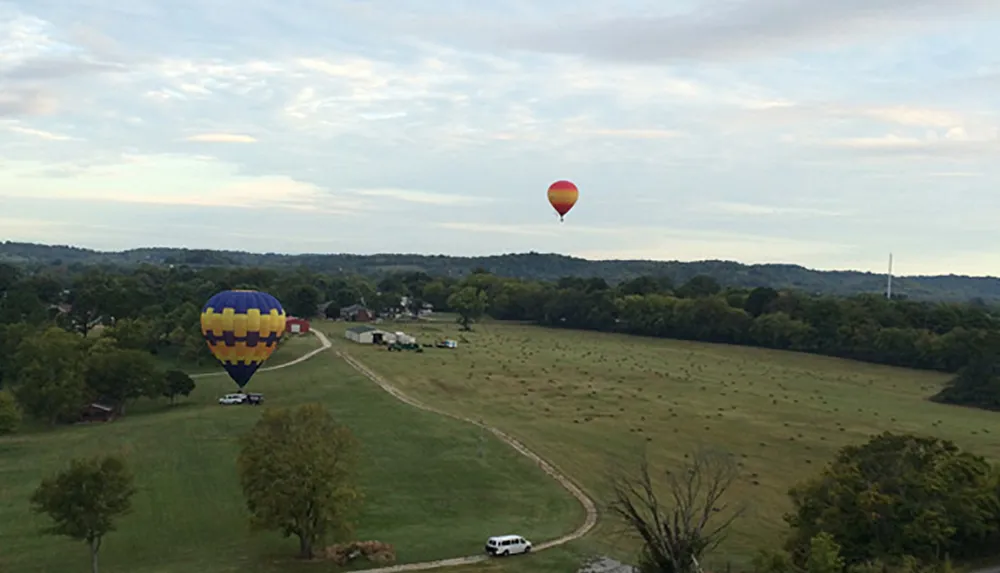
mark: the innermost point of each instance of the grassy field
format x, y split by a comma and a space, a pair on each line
435, 487
590, 401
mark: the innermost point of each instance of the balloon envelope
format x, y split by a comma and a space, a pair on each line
562, 196
242, 328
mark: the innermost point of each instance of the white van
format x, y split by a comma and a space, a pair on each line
504, 545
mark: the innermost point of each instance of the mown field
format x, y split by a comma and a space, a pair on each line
591, 401
435, 487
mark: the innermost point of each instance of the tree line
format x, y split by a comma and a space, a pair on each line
156, 309
529, 266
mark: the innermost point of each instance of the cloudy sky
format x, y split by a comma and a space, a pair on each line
824, 133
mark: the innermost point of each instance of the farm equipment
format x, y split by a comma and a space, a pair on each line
400, 347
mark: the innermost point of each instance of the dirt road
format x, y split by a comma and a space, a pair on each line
585, 501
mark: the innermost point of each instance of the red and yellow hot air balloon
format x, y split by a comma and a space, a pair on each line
562, 196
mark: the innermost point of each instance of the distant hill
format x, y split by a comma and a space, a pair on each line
529, 266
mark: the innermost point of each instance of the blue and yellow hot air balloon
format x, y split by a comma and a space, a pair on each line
242, 328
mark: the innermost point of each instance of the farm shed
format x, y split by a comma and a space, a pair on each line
296, 325
356, 313
365, 334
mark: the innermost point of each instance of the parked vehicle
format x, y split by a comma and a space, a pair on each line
230, 399
504, 545
255, 399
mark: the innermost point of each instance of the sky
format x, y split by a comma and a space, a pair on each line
821, 133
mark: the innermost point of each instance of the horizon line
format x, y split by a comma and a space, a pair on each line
510, 254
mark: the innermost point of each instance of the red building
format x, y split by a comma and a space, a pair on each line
296, 325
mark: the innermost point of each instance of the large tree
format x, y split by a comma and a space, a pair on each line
119, 376
86, 499
49, 382
682, 520
298, 470
177, 383
470, 304
898, 495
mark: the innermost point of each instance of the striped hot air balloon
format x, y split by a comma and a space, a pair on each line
562, 196
242, 328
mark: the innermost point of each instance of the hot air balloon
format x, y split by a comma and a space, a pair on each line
242, 328
562, 196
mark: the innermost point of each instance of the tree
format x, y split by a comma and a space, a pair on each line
758, 300
824, 555
11, 336
301, 301
119, 376
50, 383
977, 384
897, 495
677, 531
177, 383
10, 413
134, 334
298, 470
470, 304
84, 500
699, 286
91, 297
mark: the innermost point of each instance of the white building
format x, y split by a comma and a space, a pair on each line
364, 334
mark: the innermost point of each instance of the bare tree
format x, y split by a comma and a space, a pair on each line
686, 518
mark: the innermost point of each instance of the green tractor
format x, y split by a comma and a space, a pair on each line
399, 347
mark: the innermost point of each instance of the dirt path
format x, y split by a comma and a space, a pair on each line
585, 501
324, 341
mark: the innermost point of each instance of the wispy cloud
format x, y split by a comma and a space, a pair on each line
39, 133
628, 133
751, 209
422, 197
222, 138
753, 28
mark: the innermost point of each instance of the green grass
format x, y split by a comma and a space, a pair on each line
589, 401
435, 487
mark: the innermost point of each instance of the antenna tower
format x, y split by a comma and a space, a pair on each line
888, 284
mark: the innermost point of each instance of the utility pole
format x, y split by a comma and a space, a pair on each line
888, 285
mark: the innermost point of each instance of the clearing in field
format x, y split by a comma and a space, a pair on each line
435, 487
589, 400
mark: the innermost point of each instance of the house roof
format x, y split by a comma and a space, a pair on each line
361, 329
297, 319
353, 308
